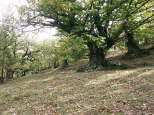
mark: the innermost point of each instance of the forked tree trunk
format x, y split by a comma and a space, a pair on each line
96, 56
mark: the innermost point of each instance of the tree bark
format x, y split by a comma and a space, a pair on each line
96, 56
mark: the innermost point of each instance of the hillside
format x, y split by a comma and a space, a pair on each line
67, 92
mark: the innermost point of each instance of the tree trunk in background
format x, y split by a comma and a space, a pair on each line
1, 79
132, 45
56, 63
65, 63
2, 73
97, 55
9, 74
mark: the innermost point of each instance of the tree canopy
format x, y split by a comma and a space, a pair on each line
100, 23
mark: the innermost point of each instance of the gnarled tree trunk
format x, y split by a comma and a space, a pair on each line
96, 56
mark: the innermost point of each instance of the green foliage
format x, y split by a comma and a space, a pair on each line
8, 47
145, 35
72, 49
100, 20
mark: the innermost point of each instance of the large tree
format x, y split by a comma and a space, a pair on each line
101, 23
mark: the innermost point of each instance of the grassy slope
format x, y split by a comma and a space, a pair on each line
67, 92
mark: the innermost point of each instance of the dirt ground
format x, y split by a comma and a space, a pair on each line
108, 92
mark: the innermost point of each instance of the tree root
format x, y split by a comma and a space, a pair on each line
111, 65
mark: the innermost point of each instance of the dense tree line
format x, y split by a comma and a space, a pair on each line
19, 57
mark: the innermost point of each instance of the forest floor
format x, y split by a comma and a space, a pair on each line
67, 92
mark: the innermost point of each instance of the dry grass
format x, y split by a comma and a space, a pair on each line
115, 92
